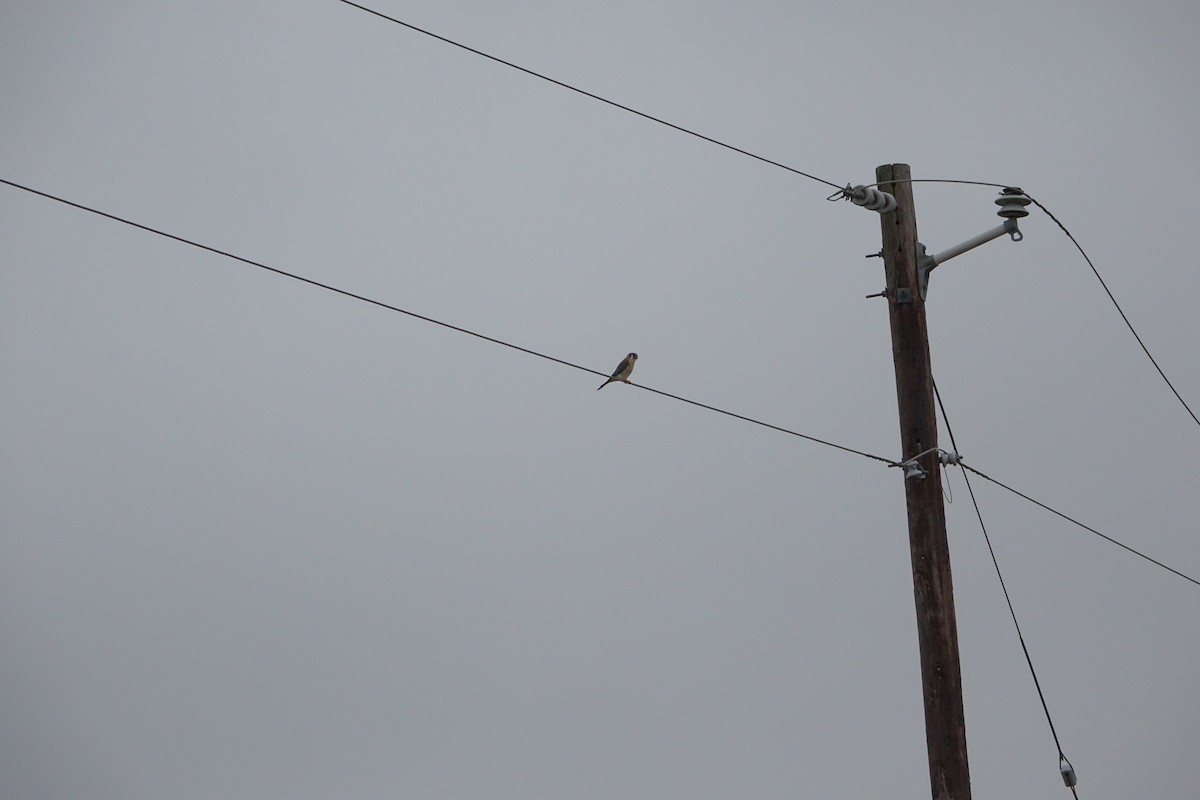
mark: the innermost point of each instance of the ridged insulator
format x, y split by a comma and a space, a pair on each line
872, 199
1012, 202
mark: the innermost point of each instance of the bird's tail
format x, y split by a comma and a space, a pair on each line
606, 383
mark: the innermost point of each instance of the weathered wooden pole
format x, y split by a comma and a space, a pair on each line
937, 631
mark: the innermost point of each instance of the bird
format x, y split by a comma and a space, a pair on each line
621, 373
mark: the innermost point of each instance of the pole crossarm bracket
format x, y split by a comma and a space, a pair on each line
1012, 202
913, 469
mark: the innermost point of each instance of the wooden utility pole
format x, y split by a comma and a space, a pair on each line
937, 630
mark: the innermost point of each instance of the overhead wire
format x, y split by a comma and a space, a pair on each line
887, 461
837, 195
840, 193
563, 362
966, 468
1117, 305
1003, 586
586, 93
424, 318
1082, 252
1074, 521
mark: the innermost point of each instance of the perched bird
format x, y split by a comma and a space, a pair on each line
622, 371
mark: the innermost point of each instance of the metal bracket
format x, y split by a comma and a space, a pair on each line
925, 265
1012, 204
912, 469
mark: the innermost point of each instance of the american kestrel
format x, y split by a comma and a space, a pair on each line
622, 371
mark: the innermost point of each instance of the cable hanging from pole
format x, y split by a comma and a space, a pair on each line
1065, 769
423, 318
1120, 311
911, 467
861, 195
1076, 522
586, 93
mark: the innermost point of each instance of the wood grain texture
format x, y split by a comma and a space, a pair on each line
933, 588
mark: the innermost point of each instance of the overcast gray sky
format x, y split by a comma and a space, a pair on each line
264, 541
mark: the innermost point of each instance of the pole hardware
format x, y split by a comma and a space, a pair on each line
913, 469
949, 457
1067, 771
929, 550
1012, 202
868, 197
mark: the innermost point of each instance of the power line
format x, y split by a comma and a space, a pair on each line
563, 362
1082, 252
837, 195
1074, 521
887, 461
1003, 587
588, 94
1117, 305
424, 318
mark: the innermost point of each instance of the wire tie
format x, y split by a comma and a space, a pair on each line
849, 193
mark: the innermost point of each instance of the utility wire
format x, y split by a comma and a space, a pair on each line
887, 461
968, 468
1086, 257
1117, 305
839, 194
1003, 587
424, 318
932, 180
588, 94
1074, 521
563, 362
